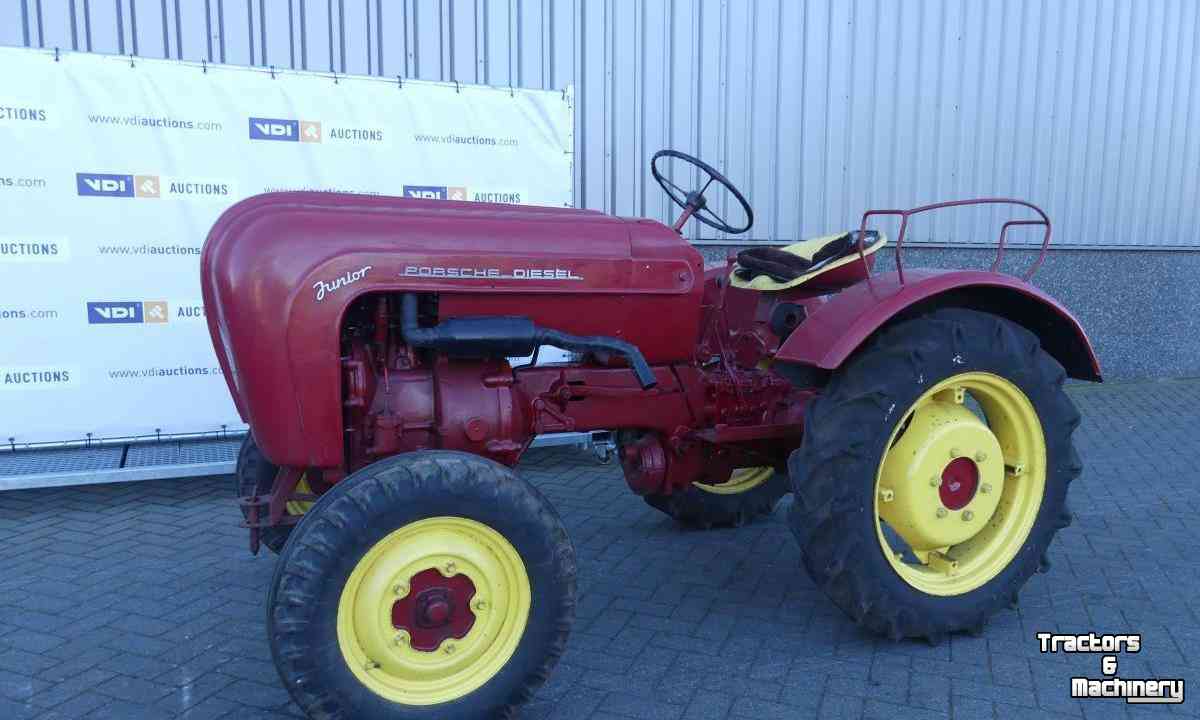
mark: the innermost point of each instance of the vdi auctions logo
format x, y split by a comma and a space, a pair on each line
435, 192
110, 312
110, 185
150, 186
307, 131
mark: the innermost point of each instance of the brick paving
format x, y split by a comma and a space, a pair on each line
141, 600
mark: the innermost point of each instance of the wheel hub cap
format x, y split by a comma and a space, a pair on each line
960, 480
931, 478
436, 609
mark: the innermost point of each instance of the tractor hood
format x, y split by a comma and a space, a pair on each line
279, 270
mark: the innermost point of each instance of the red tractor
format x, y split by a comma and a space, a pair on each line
918, 417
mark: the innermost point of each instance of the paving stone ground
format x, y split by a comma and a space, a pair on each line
142, 601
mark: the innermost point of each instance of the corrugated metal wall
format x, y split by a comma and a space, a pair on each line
818, 109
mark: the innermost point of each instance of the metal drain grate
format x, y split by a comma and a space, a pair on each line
183, 453
36, 462
25, 469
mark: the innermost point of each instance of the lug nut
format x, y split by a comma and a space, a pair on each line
942, 512
967, 515
449, 649
980, 457
985, 488
481, 605
451, 568
401, 640
954, 453
401, 589
370, 665
886, 495
935, 481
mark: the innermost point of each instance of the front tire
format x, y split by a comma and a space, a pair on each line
933, 474
427, 585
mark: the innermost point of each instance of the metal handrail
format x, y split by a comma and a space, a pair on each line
906, 214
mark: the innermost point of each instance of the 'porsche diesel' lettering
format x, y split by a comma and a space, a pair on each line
470, 273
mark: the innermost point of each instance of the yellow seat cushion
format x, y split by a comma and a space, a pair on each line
805, 249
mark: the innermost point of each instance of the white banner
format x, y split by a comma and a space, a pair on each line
114, 170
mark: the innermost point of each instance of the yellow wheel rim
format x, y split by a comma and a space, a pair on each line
386, 658
299, 507
961, 493
740, 480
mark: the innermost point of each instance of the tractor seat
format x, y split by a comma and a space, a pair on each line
772, 269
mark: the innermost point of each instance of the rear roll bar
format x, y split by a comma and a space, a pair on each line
906, 214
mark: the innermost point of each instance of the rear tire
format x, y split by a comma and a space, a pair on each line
867, 408
351, 560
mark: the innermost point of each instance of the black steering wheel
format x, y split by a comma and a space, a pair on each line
693, 202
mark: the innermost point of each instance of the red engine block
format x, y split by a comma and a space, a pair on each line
701, 420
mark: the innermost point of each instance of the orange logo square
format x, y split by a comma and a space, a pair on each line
310, 132
154, 311
146, 186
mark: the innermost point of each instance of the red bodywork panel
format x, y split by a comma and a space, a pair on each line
836, 328
279, 271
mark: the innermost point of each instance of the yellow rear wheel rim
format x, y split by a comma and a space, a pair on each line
959, 539
740, 480
382, 657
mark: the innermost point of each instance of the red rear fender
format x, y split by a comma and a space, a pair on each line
840, 326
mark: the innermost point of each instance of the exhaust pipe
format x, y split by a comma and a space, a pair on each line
510, 336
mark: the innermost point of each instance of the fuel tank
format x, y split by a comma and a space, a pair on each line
279, 270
